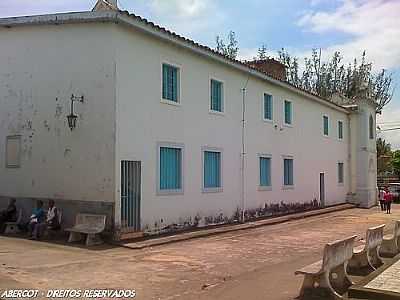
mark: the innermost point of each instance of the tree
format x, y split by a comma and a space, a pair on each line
228, 48
262, 53
325, 78
384, 155
396, 162
292, 67
382, 148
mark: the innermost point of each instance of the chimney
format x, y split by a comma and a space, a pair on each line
103, 5
269, 66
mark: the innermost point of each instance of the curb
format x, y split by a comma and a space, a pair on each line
228, 228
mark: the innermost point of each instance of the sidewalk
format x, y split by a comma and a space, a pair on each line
154, 241
254, 264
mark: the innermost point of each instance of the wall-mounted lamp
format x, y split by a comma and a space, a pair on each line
72, 117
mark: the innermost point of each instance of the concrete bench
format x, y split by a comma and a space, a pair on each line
329, 273
391, 243
12, 227
366, 257
89, 225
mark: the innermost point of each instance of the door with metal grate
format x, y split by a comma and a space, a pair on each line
322, 189
130, 195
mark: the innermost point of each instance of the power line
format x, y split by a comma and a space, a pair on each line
384, 123
390, 129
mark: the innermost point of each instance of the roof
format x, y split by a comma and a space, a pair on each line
124, 17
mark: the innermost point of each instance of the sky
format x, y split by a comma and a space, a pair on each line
350, 26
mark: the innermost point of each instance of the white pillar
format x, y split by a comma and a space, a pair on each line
363, 154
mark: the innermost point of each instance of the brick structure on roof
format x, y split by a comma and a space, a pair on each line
269, 66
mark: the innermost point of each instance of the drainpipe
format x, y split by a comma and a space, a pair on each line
243, 152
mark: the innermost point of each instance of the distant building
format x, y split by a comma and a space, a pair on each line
158, 142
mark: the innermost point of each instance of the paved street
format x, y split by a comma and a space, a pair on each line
251, 264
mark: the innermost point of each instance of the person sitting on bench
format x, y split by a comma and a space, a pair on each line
52, 216
36, 219
9, 214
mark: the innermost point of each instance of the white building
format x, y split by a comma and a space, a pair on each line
158, 138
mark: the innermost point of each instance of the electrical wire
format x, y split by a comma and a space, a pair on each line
389, 129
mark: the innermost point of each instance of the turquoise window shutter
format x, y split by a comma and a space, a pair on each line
165, 82
340, 173
288, 112
267, 107
288, 171
216, 96
170, 168
265, 171
326, 125
340, 129
174, 74
212, 169
285, 172
170, 83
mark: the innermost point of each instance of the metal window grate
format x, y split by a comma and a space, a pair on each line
130, 194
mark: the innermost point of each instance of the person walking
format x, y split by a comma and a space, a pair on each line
381, 197
388, 200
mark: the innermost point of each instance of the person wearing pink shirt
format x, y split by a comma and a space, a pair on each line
388, 200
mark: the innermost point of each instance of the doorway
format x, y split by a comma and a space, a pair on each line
322, 189
130, 195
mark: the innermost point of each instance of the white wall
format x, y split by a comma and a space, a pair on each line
143, 121
40, 67
365, 149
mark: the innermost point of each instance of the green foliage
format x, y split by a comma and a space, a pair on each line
292, 67
383, 148
396, 162
326, 78
228, 48
262, 53
384, 156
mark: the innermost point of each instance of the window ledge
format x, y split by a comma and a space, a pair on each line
169, 192
288, 125
264, 188
213, 190
341, 184
270, 121
216, 112
288, 187
170, 102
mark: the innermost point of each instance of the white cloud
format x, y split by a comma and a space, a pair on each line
373, 25
390, 118
181, 8
187, 17
11, 8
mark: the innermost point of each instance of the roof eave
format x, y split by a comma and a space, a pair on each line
126, 19
149, 28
